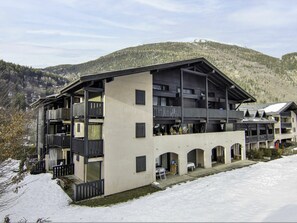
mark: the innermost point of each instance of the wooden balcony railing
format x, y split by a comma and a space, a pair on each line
251, 139
88, 190
286, 125
95, 109
58, 140
95, 147
175, 112
58, 114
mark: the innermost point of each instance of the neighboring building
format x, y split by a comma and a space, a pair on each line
259, 129
117, 127
284, 115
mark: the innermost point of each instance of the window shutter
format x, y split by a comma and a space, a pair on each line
140, 130
140, 164
140, 97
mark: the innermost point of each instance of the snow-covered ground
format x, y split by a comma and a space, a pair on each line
262, 192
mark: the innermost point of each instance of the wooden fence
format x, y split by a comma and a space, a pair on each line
63, 170
88, 190
38, 167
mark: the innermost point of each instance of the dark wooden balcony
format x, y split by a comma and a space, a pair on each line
263, 137
270, 137
175, 112
58, 114
251, 139
286, 125
286, 114
95, 147
95, 109
167, 111
58, 140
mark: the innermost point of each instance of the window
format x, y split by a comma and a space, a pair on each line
277, 131
276, 119
140, 164
140, 97
155, 100
160, 87
292, 119
186, 90
78, 128
161, 101
140, 130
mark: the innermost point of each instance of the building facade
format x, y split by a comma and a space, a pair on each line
119, 127
284, 116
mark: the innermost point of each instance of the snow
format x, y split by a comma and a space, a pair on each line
274, 107
262, 192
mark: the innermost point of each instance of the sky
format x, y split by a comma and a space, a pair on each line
52, 32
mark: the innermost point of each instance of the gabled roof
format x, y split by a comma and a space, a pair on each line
204, 67
272, 108
255, 116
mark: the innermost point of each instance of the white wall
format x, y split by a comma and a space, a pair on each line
121, 147
182, 144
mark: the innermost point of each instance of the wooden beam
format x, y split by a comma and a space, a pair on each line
206, 101
193, 72
227, 106
182, 94
86, 126
71, 127
93, 89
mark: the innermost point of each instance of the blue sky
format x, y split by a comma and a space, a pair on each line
42, 33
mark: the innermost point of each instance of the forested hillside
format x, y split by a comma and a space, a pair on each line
267, 78
21, 85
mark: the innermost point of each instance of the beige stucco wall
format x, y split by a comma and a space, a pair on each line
182, 144
121, 147
79, 167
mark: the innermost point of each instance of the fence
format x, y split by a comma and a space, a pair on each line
38, 167
63, 170
88, 190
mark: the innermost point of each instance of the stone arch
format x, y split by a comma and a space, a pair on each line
236, 152
169, 161
218, 155
196, 156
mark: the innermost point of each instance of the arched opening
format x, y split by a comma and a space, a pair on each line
167, 162
195, 159
218, 155
236, 152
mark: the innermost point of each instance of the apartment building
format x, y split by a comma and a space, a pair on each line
284, 116
258, 127
119, 127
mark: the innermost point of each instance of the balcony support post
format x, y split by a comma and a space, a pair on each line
86, 126
71, 127
182, 95
206, 102
227, 107
258, 132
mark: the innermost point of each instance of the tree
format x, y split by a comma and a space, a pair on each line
12, 131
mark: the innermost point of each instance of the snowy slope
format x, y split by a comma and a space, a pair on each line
262, 192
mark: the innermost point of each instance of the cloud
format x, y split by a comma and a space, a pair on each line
183, 6
65, 33
266, 16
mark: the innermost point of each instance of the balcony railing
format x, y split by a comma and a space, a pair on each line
56, 140
95, 109
58, 114
254, 139
95, 147
175, 112
285, 125
251, 139
167, 111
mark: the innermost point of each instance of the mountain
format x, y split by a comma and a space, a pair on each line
21, 85
267, 78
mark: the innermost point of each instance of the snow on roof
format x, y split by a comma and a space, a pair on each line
274, 107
